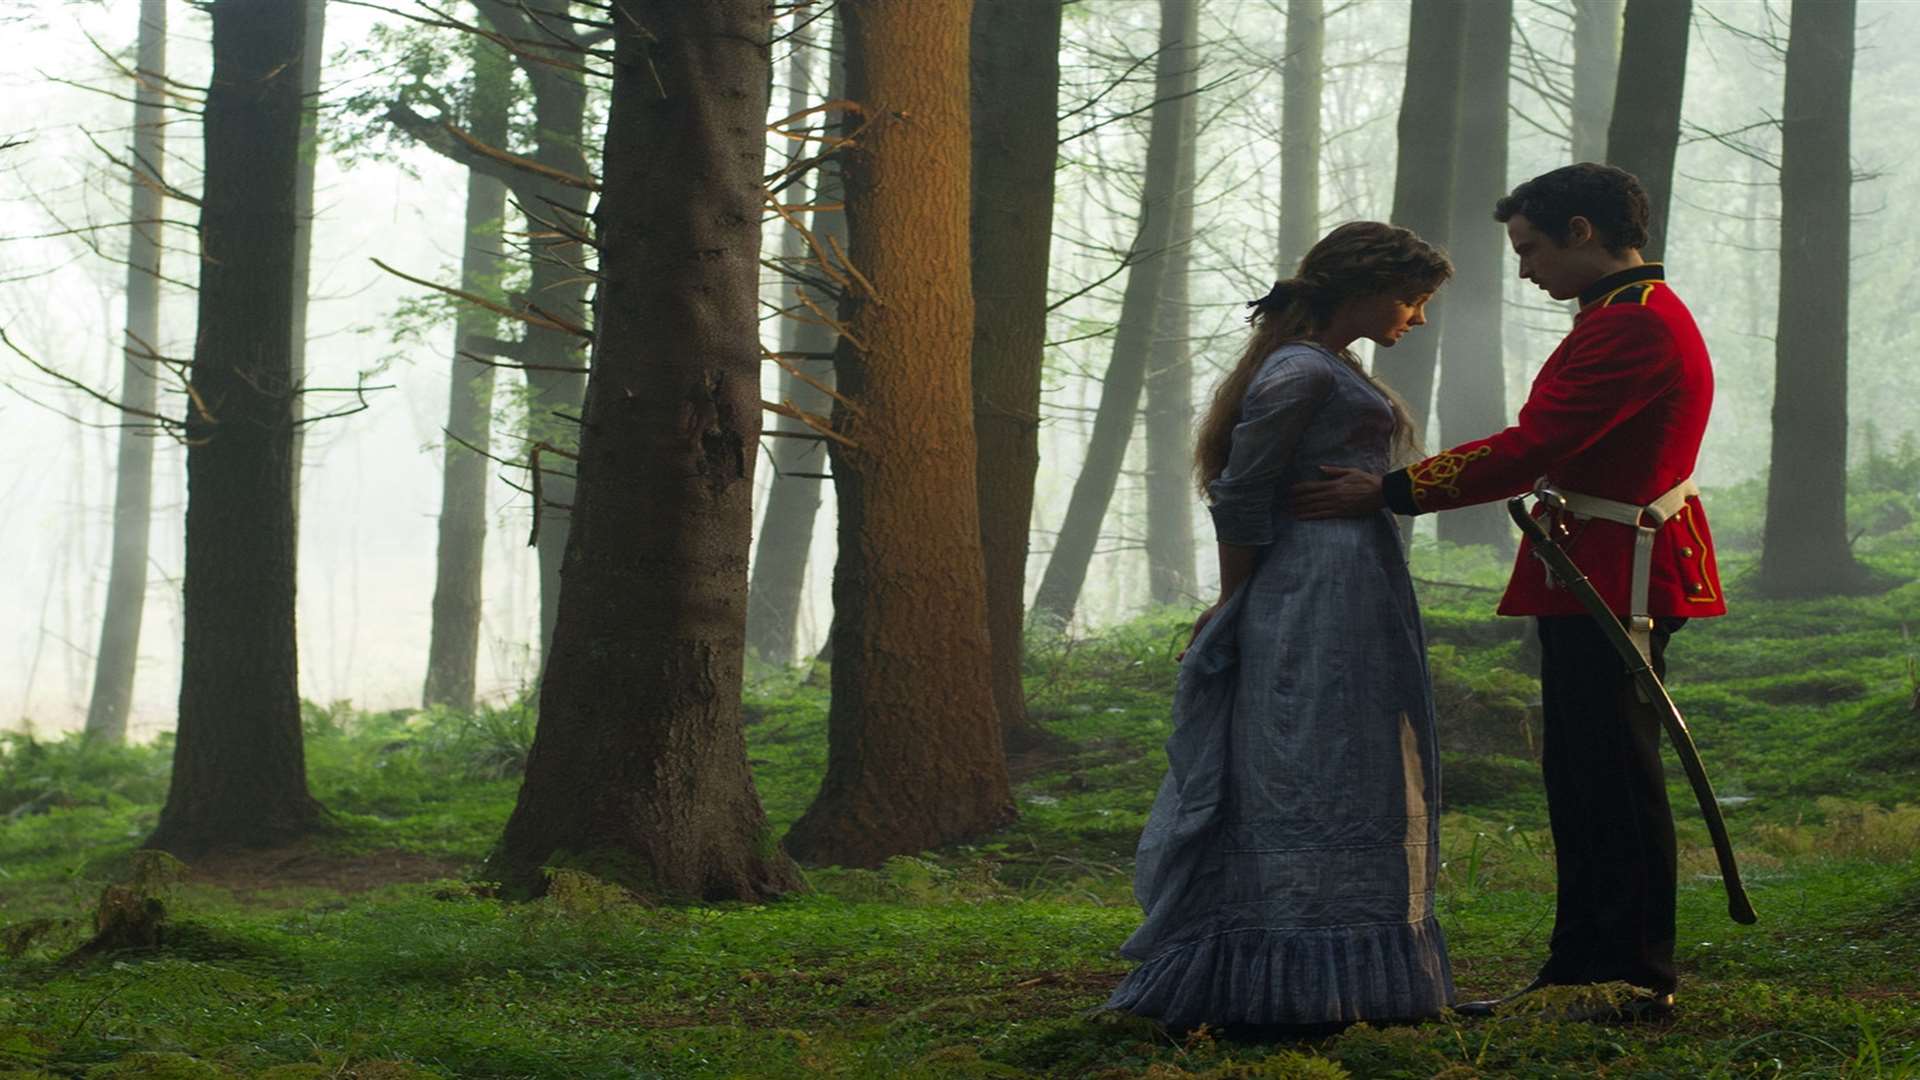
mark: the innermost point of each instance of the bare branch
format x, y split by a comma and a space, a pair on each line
481, 301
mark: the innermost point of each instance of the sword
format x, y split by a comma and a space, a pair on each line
1549, 551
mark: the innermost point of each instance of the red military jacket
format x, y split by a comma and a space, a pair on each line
1617, 412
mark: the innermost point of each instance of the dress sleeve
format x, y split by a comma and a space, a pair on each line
1279, 404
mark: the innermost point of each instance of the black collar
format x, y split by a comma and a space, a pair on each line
1645, 272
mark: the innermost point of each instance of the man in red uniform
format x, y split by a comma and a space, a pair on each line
1613, 422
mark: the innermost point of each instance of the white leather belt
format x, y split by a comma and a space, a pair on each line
1646, 522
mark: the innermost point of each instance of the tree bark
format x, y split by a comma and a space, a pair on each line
1804, 549
1644, 131
1016, 96
112, 698
453, 647
239, 774
1596, 68
785, 544
1423, 181
559, 283
1302, 78
1119, 406
638, 771
312, 57
914, 755
1472, 394
1169, 410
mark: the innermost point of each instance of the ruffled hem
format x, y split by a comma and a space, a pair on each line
1390, 971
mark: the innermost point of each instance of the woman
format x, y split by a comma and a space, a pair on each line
1287, 868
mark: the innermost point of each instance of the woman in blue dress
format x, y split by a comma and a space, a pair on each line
1287, 868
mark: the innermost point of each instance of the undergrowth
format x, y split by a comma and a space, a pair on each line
376, 952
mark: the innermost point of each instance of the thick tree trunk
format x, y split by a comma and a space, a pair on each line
1804, 547
1596, 67
1423, 180
1471, 401
112, 696
239, 774
1644, 131
1169, 411
793, 499
453, 647
1302, 77
1113, 420
638, 771
913, 743
1016, 95
312, 56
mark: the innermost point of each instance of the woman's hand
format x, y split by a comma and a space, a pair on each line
1199, 624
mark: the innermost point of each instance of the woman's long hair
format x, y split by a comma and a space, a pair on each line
1360, 258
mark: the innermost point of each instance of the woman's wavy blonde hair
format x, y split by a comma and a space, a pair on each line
1358, 259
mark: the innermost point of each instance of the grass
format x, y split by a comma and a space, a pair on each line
370, 953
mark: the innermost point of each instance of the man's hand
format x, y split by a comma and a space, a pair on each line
1348, 493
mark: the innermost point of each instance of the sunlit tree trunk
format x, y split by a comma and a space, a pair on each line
453, 647
1016, 94
638, 772
1169, 409
1423, 180
1596, 66
311, 59
785, 543
1302, 77
239, 774
1804, 547
1113, 421
1644, 131
112, 697
914, 754
1472, 394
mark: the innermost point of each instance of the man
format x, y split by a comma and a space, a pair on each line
1613, 422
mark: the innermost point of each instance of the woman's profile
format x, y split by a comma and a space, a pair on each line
1287, 868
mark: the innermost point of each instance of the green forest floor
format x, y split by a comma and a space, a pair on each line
371, 953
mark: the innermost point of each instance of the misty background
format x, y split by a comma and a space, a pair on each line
370, 481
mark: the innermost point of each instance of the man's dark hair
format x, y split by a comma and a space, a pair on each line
1612, 199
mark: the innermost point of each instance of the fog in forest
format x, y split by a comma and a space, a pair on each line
370, 479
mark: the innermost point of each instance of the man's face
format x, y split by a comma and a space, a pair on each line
1559, 269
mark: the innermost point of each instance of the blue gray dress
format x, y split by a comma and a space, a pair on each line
1287, 868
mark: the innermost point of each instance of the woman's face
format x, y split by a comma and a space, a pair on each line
1385, 318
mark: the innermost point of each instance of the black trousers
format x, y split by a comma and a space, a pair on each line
1607, 801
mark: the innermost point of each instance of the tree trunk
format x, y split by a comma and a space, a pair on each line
1169, 411
638, 771
1302, 77
1804, 550
312, 57
1016, 95
1596, 67
1473, 385
782, 551
239, 774
112, 696
1119, 406
913, 743
559, 283
453, 648
1644, 131
1423, 181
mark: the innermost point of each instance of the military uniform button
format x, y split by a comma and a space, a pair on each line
1697, 587
1686, 553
